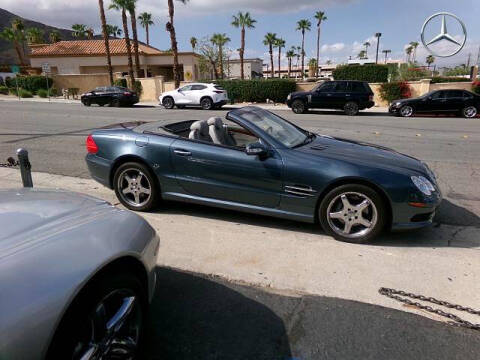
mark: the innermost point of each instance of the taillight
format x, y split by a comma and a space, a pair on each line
218, 91
92, 148
126, 93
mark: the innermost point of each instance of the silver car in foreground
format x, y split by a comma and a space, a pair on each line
76, 276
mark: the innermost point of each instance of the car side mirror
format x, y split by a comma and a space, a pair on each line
256, 148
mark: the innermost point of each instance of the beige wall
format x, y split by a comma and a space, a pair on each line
83, 82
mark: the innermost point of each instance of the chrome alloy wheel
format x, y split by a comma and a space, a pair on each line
135, 188
406, 111
352, 215
113, 328
470, 112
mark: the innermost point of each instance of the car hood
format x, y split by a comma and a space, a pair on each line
362, 153
28, 216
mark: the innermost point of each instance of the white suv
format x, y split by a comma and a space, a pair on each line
208, 96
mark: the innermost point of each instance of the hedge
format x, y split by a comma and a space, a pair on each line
369, 73
42, 93
120, 82
476, 87
25, 93
442, 79
258, 90
395, 90
3, 90
30, 83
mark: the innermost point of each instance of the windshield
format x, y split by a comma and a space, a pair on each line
275, 126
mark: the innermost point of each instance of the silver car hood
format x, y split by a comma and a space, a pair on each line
29, 216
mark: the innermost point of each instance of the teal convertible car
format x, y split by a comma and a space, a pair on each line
255, 161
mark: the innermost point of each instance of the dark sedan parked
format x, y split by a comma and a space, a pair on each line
350, 96
110, 95
255, 161
461, 102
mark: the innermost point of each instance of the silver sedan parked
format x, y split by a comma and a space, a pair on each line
76, 276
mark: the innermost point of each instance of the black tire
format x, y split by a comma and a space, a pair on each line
146, 204
469, 112
299, 107
87, 102
168, 103
206, 103
115, 103
76, 324
329, 224
351, 108
406, 111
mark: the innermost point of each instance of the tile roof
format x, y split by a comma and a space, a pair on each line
90, 48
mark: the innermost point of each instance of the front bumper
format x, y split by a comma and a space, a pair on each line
392, 109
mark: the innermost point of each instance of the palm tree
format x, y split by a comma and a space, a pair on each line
54, 36
269, 40
320, 16
414, 46
173, 39
243, 21
377, 35
90, 34
113, 30
386, 52
122, 5
106, 34
220, 40
362, 54
16, 37
279, 44
409, 51
34, 35
133, 18
146, 21
290, 55
366, 44
79, 31
303, 25
193, 43
430, 60
329, 62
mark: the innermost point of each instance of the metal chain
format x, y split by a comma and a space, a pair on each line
11, 162
456, 320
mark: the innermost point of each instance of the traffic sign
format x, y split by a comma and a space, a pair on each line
46, 68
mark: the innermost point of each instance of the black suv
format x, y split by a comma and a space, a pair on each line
351, 96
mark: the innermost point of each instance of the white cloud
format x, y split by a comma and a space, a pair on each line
332, 48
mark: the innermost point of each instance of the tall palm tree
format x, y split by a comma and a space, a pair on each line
79, 31
290, 55
114, 30
122, 5
414, 46
298, 55
430, 60
19, 29
90, 34
303, 25
320, 16
362, 54
131, 4
15, 37
220, 40
366, 44
34, 35
269, 40
279, 44
173, 39
54, 36
106, 34
146, 21
193, 43
386, 52
243, 21
409, 51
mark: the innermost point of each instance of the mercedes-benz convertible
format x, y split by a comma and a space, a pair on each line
255, 161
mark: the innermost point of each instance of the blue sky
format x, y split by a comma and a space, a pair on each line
350, 22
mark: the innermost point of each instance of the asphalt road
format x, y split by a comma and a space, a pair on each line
199, 317
55, 134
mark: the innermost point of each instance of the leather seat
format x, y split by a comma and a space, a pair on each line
199, 131
218, 132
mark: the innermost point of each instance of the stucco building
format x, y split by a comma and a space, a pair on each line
252, 68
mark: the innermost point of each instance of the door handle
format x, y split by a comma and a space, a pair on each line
182, 152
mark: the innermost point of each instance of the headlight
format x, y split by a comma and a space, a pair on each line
423, 184
397, 103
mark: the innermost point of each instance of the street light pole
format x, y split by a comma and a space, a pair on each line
377, 35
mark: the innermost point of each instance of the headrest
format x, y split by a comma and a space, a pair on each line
201, 126
216, 121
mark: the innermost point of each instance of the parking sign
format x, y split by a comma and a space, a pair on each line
46, 68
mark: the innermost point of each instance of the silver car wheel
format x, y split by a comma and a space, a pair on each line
352, 215
470, 112
134, 187
114, 328
406, 111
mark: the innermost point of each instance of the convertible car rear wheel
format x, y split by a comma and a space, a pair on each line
353, 213
136, 187
104, 322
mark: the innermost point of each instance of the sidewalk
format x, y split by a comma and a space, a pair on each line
443, 262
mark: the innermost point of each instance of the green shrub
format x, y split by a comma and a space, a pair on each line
370, 73
138, 88
42, 93
395, 90
3, 90
258, 90
120, 82
442, 79
54, 91
30, 83
12, 91
25, 93
476, 87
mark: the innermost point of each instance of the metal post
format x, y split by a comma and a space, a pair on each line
16, 83
48, 89
25, 167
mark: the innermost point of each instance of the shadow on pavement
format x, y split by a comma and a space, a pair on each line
193, 317
340, 112
451, 214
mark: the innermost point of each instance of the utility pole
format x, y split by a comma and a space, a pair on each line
377, 35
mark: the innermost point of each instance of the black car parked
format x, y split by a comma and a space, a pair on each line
351, 96
462, 102
111, 95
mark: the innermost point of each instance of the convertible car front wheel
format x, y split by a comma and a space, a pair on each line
136, 187
353, 213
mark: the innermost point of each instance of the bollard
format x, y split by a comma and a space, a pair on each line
25, 167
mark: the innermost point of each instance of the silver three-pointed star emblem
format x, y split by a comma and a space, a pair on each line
444, 35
